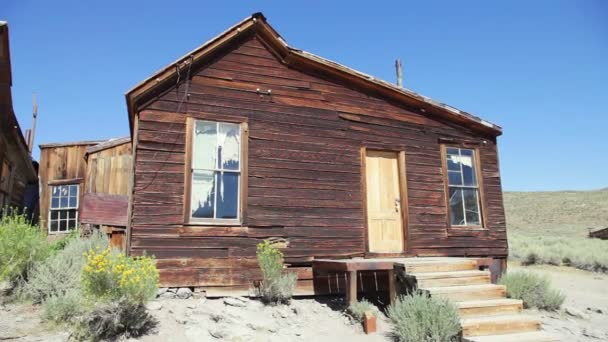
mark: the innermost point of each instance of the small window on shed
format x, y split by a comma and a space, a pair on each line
63, 212
464, 204
215, 172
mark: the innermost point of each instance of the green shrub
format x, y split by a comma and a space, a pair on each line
357, 309
21, 245
64, 308
109, 275
276, 287
418, 318
113, 320
61, 243
533, 289
61, 272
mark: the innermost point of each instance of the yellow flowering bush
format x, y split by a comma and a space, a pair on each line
114, 276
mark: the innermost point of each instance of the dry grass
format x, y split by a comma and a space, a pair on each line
552, 228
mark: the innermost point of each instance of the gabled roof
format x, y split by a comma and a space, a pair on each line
303, 60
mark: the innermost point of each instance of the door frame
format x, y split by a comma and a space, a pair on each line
402, 194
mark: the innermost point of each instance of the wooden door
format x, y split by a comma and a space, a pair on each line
384, 217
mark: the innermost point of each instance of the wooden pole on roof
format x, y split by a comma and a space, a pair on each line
30, 140
399, 73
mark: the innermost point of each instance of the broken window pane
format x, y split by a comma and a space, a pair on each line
456, 210
471, 204
203, 194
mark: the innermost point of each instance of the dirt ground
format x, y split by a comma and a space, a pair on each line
242, 319
586, 296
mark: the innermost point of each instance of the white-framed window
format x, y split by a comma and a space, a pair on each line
463, 187
63, 210
215, 172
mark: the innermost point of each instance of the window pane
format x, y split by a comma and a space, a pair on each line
203, 193
71, 224
54, 226
63, 202
73, 202
465, 152
468, 173
55, 191
54, 203
452, 151
62, 225
54, 215
456, 211
471, 203
72, 214
454, 178
453, 163
228, 195
64, 190
73, 190
205, 145
229, 145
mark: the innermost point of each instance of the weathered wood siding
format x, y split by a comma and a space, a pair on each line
60, 164
304, 174
109, 171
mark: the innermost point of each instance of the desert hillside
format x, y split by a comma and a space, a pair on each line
556, 213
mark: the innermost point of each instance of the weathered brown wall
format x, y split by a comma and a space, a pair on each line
109, 171
304, 173
59, 163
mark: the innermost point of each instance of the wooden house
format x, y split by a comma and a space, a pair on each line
246, 138
17, 171
86, 183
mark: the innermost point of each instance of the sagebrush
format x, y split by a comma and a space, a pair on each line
580, 252
61, 272
276, 286
533, 289
110, 275
357, 309
21, 246
113, 320
64, 308
420, 318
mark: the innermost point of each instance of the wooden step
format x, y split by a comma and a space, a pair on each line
488, 307
455, 278
499, 325
531, 336
439, 265
469, 292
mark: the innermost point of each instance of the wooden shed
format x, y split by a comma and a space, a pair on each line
88, 183
17, 173
246, 138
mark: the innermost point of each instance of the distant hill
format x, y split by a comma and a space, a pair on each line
563, 213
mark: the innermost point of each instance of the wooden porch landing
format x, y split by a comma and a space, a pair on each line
352, 266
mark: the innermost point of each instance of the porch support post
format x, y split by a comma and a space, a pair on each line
351, 287
392, 294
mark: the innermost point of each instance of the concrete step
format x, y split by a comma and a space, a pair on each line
469, 292
454, 278
531, 336
439, 265
499, 325
488, 307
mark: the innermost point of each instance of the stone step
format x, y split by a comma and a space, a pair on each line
454, 278
439, 265
488, 307
499, 325
530, 336
469, 292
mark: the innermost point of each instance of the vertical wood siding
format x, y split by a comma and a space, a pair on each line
304, 182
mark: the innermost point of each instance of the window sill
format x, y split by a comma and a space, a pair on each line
466, 228
214, 224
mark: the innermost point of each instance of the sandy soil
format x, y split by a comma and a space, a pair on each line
586, 294
322, 319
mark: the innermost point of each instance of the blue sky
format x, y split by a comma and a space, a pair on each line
537, 68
